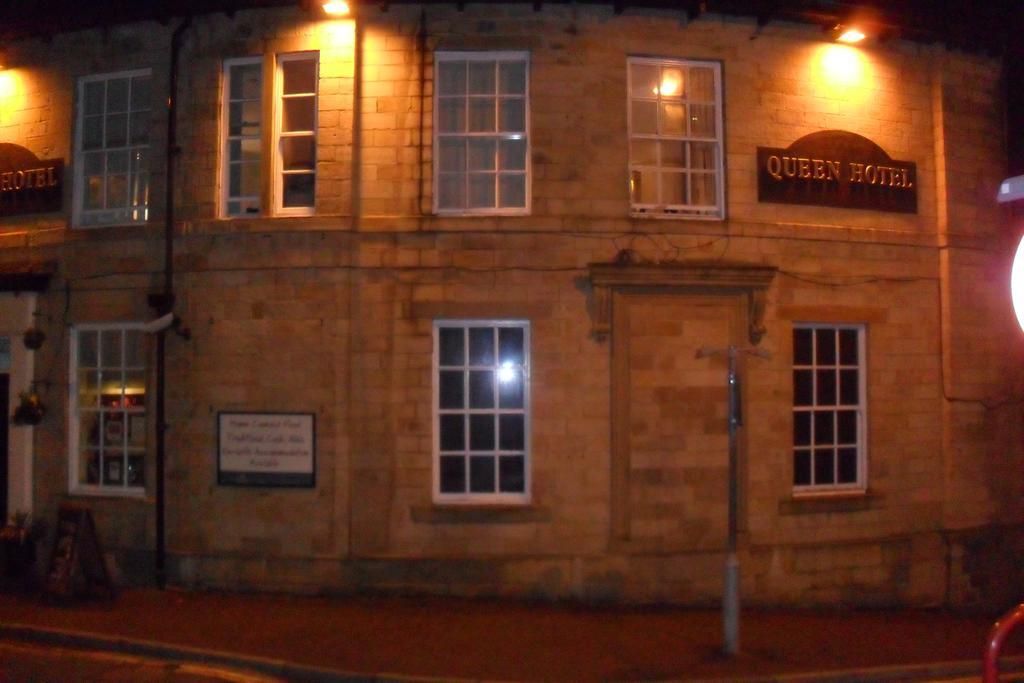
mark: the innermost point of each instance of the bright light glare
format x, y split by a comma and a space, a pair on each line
1017, 283
506, 373
337, 8
851, 35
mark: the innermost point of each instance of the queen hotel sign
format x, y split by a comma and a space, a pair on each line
28, 184
836, 168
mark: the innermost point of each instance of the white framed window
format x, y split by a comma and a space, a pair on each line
481, 411
481, 133
112, 149
242, 127
107, 425
829, 408
287, 175
675, 138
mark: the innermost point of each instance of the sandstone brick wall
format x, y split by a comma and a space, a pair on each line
333, 315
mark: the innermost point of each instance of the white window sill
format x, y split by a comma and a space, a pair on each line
823, 501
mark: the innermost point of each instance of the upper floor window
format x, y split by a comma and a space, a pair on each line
290, 166
675, 138
108, 409
481, 133
112, 149
481, 389
829, 408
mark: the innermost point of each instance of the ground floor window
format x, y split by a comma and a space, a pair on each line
481, 409
108, 409
828, 407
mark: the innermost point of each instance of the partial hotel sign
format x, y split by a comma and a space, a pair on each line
266, 449
28, 184
836, 168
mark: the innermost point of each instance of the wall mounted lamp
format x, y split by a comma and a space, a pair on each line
336, 8
849, 34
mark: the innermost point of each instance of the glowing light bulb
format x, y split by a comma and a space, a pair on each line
336, 7
506, 373
851, 35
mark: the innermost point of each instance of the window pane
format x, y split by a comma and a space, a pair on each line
481, 346
671, 85
847, 466
89, 389
452, 345
512, 474
701, 84
452, 115
451, 191
673, 118
512, 155
92, 132
481, 432
847, 426
298, 189
481, 190
703, 191
702, 120
673, 188
481, 115
453, 474
849, 387
673, 153
482, 78
512, 78
138, 125
511, 432
298, 153
453, 433
643, 187
643, 80
481, 474
824, 466
298, 76
246, 82
802, 346
481, 389
643, 152
136, 471
481, 154
801, 468
244, 118
510, 345
451, 390
451, 78
824, 427
117, 95
93, 99
848, 347
298, 114
825, 344
134, 349
826, 387
512, 117
512, 190
645, 117
510, 388
110, 345
702, 155
452, 155
116, 130
87, 344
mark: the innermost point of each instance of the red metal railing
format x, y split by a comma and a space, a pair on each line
996, 637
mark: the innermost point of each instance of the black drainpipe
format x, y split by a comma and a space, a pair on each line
164, 301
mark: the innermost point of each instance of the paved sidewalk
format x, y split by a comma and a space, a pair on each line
448, 638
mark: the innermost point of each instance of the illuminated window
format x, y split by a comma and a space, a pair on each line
291, 168
481, 133
481, 408
108, 409
828, 408
112, 149
675, 138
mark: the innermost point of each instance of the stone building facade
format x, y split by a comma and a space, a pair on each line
486, 272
